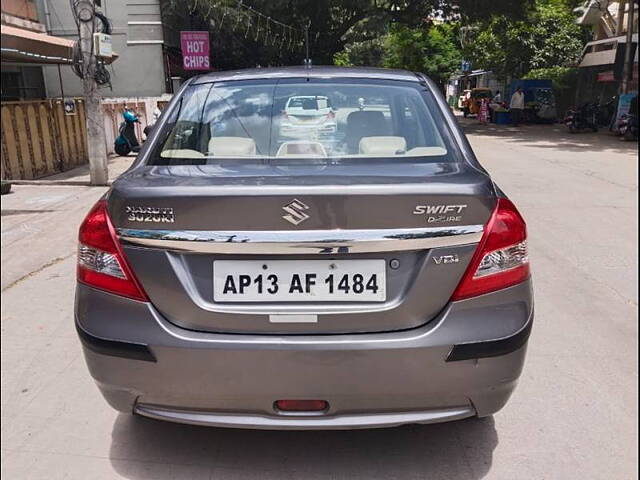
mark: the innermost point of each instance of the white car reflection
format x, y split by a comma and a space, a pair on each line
307, 117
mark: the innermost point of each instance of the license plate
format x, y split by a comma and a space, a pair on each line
307, 119
299, 281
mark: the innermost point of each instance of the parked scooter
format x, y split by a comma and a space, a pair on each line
582, 118
628, 127
127, 141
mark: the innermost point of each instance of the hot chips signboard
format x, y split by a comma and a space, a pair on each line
195, 50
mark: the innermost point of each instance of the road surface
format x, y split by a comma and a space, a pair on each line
573, 416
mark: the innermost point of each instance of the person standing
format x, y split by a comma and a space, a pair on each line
517, 106
483, 113
494, 104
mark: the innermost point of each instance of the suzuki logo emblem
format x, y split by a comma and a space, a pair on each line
295, 212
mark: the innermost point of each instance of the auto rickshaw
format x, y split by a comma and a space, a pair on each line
471, 106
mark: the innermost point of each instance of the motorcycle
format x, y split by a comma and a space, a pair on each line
127, 141
582, 118
628, 127
606, 112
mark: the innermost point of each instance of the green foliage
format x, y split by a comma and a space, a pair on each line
471, 11
562, 77
366, 53
342, 59
350, 29
500, 45
429, 49
548, 37
558, 40
333, 25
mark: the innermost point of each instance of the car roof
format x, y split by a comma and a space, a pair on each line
303, 71
309, 96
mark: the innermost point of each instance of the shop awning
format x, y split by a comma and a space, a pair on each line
25, 46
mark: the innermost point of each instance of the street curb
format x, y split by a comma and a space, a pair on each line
68, 183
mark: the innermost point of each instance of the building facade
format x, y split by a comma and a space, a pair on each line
601, 66
137, 37
20, 81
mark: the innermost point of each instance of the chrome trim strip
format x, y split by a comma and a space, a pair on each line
307, 422
281, 242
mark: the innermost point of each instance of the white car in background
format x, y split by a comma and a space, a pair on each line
305, 115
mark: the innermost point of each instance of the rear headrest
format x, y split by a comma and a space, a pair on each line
364, 124
382, 145
232, 146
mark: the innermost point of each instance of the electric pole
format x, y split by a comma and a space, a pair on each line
628, 52
96, 140
620, 22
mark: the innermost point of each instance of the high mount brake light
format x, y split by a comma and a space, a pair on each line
501, 259
101, 261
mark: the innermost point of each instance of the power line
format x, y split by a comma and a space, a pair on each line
250, 21
256, 12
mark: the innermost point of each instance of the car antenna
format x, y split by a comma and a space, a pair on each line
307, 60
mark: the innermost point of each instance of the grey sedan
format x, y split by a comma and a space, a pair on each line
237, 277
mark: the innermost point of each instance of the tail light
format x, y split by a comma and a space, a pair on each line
501, 259
101, 261
331, 115
285, 115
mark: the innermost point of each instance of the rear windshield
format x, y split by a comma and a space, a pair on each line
306, 120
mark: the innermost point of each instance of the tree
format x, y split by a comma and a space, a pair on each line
562, 78
431, 49
558, 41
368, 53
547, 37
335, 25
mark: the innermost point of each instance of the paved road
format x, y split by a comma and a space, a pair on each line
574, 415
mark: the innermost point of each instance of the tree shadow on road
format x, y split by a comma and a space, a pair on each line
462, 449
554, 136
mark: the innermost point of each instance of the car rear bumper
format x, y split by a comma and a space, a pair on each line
465, 362
333, 422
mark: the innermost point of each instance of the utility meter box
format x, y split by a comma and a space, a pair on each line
102, 45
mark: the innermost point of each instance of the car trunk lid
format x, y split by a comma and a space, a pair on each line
418, 224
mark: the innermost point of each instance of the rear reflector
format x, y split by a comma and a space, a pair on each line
101, 261
302, 405
501, 259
